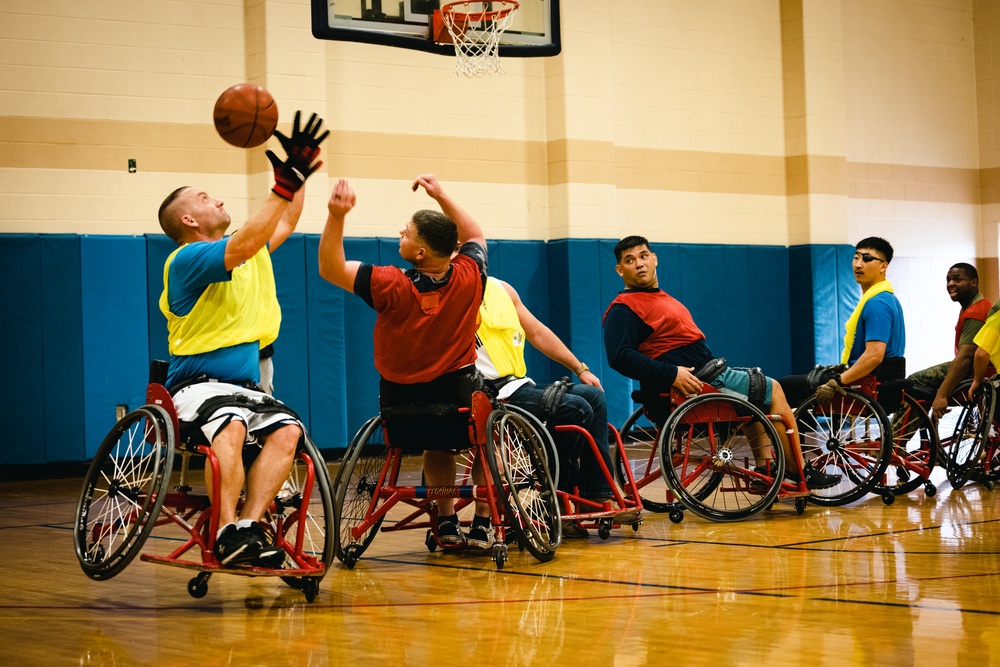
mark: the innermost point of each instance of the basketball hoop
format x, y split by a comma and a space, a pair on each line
475, 29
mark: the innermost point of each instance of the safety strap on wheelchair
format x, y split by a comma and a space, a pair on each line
191, 431
711, 370
758, 387
551, 398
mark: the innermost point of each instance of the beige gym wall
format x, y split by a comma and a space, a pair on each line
751, 121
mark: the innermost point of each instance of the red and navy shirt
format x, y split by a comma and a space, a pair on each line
425, 327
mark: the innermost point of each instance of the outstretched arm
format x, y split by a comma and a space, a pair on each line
468, 228
545, 340
289, 220
333, 264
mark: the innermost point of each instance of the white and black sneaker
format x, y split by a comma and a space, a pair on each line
448, 530
480, 535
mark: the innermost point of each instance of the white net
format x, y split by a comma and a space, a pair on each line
476, 29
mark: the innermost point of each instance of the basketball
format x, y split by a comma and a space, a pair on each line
245, 115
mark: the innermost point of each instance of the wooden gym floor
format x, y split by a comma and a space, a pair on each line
915, 583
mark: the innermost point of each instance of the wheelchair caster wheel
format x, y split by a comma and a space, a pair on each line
930, 490
430, 541
989, 484
198, 587
800, 505
604, 529
676, 516
500, 555
888, 497
308, 585
635, 526
351, 557
310, 588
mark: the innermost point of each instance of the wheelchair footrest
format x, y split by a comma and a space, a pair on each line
243, 570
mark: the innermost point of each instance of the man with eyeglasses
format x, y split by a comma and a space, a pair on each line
875, 336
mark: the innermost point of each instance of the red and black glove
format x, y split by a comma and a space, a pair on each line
302, 149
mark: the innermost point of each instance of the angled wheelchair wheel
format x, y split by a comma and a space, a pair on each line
519, 467
639, 438
304, 510
973, 431
714, 451
914, 449
123, 492
849, 437
550, 444
947, 425
355, 488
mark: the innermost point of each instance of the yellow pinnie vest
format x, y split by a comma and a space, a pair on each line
242, 310
500, 330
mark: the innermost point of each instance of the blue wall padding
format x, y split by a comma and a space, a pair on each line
328, 373
21, 334
62, 348
524, 265
801, 296
80, 322
848, 295
291, 350
158, 248
115, 331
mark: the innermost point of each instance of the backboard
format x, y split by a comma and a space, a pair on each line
408, 24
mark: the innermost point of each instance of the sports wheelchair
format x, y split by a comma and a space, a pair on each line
851, 436
974, 450
127, 494
519, 489
716, 455
587, 513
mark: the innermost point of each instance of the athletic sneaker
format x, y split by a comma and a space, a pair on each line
815, 479
480, 535
571, 529
448, 530
271, 556
235, 547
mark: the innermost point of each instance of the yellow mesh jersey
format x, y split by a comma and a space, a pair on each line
242, 310
500, 331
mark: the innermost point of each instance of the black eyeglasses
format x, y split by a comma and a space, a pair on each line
865, 257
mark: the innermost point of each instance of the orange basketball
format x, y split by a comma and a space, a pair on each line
245, 115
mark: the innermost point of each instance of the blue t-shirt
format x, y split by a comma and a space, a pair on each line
193, 269
881, 320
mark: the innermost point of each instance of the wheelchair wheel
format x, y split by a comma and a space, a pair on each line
550, 444
639, 439
305, 506
914, 449
123, 492
519, 466
973, 431
709, 450
354, 490
849, 437
947, 425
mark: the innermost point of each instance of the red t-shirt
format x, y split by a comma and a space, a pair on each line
420, 336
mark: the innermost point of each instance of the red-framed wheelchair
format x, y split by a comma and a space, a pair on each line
585, 512
716, 455
850, 436
130, 501
518, 489
974, 451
